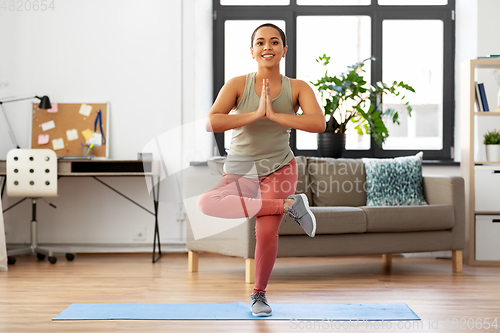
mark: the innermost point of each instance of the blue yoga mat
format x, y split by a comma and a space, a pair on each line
236, 311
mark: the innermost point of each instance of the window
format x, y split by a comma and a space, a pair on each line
413, 41
311, 45
417, 42
254, 2
333, 2
412, 2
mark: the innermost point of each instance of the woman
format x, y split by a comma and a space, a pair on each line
260, 172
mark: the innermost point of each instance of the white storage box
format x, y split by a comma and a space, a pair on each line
487, 188
487, 237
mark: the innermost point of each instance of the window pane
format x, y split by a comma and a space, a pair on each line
343, 52
237, 57
412, 2
334, 2
254, 2
413, 53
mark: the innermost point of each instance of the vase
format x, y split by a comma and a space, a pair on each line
331, 144
493, 153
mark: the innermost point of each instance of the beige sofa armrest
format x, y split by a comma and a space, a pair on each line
237, 242
448, 190
232, 237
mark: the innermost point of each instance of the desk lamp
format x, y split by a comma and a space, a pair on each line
44, 104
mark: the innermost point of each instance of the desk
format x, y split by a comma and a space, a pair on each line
108, 168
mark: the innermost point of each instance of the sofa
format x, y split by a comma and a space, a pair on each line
346, 225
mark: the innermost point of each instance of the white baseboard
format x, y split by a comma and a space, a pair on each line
109, 248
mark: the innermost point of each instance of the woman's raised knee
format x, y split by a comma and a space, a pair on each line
208, 204
203, 203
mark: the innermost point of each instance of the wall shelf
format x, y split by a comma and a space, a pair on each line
487, 113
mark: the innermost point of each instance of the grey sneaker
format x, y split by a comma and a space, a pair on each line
300, 212
258, 303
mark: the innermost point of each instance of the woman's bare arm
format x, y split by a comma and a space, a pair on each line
312, 120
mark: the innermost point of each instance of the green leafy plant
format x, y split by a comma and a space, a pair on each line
349, 100
492, 138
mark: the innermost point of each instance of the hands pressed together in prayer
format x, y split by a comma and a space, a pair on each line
265, 108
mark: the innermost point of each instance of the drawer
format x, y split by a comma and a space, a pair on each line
487, 188
487, 237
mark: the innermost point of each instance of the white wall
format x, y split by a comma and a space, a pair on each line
488, 42
465, 49
140, 57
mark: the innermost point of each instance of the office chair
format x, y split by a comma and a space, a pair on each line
32, 173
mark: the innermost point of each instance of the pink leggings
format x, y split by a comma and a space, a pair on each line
236, 197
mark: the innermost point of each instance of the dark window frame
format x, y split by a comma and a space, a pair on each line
378, 13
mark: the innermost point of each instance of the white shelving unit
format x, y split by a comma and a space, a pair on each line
483, 221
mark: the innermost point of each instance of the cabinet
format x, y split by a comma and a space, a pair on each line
487, 188
487, 231
482, 178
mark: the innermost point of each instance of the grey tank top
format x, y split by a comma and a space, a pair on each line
262, 147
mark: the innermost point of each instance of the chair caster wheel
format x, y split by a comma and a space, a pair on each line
52, 260
11, 260
70, 256
40, 256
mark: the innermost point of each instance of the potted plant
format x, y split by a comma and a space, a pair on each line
348, 100
492, 142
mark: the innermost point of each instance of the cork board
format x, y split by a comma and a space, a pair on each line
68, 118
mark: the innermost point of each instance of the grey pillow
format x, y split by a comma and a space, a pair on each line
337, 182
303, 185
394, 181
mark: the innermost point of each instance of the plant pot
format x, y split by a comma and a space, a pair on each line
331, 144
493, 153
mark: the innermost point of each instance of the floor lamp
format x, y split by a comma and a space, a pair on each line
44, 104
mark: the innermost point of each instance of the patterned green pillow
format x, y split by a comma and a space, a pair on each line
394, 181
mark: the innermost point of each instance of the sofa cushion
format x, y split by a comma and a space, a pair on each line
303, 182
329, 220
409, 218
394, 181
337, 182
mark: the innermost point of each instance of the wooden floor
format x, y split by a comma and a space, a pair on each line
33, 292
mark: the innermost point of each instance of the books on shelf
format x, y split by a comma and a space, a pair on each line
483, 97
481, 100
479, 103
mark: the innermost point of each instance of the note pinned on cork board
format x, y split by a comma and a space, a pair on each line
48, 125
87, 134
58, 144
72, 134
43, 139
53, 108
85, 109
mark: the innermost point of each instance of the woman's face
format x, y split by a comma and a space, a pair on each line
268, 47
